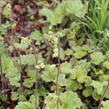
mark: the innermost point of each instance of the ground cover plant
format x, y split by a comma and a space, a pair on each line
54, 54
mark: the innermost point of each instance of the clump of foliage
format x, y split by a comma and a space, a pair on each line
97, 18
48, 59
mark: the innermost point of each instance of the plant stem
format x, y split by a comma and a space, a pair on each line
49, 48
99, 106
20, 70
37, 74
1, 71
58, 73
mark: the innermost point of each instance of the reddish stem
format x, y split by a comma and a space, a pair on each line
99, 106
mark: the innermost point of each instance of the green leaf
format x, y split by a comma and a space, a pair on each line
105, 104
1, 47
84, 106
87, 91
62, 80
49, 14
3, 98
72, 85
22, 98
79, 53
51, 101
62, 54
28, 83
76, 7
97, 58
42, 90
10, 70
55, 16
100, 72
32, 100
98, 86
80, 72
27, 59
70, 100
26, 40
24, 105
68, 52
106, 65
32, 75
36, 35
7, 10
21, 45
95, 95
52, 16
66, 68
14, 96
49, 74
